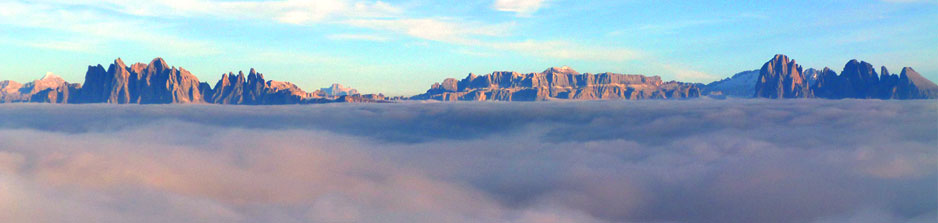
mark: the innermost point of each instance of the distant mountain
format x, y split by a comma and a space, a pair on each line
781, 78
154, 83
812, 75
50, 88
159, 83
557, 83
740, 85
336, 90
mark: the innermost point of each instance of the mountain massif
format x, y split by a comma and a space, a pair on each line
159, 83
740, 85
780, 77
557, 83
784, 78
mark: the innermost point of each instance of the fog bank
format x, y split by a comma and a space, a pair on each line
597, 161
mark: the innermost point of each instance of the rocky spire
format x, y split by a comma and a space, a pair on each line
781, 78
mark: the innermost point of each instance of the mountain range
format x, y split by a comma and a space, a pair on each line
159, 83
557, 83
780, 77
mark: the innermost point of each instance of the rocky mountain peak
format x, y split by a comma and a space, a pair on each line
9, 87
158, 64
119, 62
781, 78
561, 70
780, 57
338, 90
917, 79
51, 77
49, 80
253, 75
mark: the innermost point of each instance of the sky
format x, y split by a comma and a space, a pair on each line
814, 161
402, 47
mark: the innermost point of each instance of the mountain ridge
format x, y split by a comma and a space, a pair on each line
858, 80
557, 83
159, 83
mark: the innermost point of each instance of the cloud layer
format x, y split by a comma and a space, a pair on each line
648, 161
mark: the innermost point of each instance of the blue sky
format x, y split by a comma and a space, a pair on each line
402, 47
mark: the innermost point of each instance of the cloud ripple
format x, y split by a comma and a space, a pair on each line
647, 161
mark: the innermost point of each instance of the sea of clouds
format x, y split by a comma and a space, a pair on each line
601, 161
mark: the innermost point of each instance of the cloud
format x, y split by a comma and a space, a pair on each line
463, 33
685, 74
643, 161
560, 49
362, 37
521, 7
438, 29
906, 1
283, 11
91, 25
87, 29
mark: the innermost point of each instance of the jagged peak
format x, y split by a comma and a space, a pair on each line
908, 70
917, 79
254, 75
50, 76
158, 62
119, 62
780, 57
561, 69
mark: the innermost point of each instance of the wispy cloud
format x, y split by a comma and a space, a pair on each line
81, 19
683, 73
363, 37
446, 30
910, 1
521, 7
93, 29
566, 50
474, 34
284, 11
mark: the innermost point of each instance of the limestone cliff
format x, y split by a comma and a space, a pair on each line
557, 83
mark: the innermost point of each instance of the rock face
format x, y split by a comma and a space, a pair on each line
781, 78
910, 85
557, 83
50, 89
828, 84
740, 85
155, 83
337, 90
812, 75
857, 80
254, 90
159, 83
